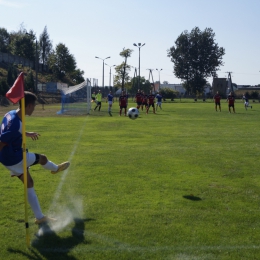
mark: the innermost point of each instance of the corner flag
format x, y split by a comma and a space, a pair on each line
16, 93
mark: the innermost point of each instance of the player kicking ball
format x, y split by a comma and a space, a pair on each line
11, 153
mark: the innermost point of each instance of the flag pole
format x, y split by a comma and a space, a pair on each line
14, 94
25, 173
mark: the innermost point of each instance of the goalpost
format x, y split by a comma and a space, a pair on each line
76, 100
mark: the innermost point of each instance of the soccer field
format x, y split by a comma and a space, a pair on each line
180, 184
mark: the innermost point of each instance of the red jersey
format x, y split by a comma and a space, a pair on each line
138, 97
231, 100
144, 99
151, 98
123, 100
217, 98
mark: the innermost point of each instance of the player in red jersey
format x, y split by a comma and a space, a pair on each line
138, 99
122, 102
144, 101
231, 102
151, 98
217, 98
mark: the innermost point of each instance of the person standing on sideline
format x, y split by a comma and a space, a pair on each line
231, 102
110, 99
159, 101
11, 153
98, 100
217, 98
122, 102
151, 98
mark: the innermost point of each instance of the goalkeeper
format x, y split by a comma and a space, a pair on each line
98, 100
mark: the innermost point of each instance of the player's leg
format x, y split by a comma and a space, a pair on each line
32, 197
147, 108
49, 165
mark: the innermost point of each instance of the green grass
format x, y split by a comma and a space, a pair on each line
181, 184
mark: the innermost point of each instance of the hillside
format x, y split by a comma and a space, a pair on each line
43, 77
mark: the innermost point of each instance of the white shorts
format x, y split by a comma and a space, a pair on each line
17, 169
246, 104
159, 103
110, 103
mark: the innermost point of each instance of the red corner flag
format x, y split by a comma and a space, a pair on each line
16, 92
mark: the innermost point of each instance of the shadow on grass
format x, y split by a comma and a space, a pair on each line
50, 246
191, 197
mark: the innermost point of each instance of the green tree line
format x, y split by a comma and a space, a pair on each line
55, 60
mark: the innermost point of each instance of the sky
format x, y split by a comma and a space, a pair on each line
102, 28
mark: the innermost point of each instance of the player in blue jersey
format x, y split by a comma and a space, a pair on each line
159, 100
110, 99
11, 153
246, 100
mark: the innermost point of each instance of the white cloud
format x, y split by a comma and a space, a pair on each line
11, 4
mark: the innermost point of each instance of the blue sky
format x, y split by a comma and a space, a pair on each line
103, 28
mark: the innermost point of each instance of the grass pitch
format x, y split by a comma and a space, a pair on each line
180, 184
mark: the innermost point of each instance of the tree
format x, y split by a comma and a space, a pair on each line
45, 46
145, 85
196, 57
4, 40
169, 93
61, 62
11, 75
122, 72
126, 53
3, 87
22, 44
77, 76
29, 82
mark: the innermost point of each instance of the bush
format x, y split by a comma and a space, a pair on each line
169, 93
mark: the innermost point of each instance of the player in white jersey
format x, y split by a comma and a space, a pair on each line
11, 153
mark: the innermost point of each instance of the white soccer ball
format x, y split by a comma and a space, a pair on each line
133, 113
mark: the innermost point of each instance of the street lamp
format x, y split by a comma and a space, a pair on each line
36, 62
139, 46
103, 69
159, 78
110, 73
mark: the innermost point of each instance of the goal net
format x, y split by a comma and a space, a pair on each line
76, 100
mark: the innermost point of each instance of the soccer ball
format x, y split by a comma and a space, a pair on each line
133, 113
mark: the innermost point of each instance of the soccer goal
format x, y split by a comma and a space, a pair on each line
76, 100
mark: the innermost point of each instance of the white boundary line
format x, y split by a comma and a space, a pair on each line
65, 173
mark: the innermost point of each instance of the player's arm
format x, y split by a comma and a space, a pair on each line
33, 135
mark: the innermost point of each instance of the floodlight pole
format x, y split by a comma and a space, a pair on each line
139, 46
110, 73
159, 78
103, 68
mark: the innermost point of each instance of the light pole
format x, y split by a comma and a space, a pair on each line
103, 69
36, 63
140, 45
159, 78
110, 73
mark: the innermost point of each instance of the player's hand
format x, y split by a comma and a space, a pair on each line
33, 135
